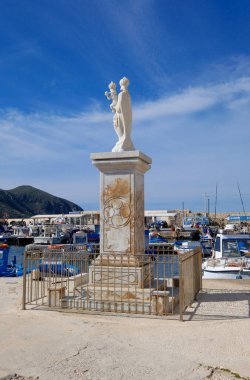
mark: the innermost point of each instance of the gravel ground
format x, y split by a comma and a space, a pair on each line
212, 343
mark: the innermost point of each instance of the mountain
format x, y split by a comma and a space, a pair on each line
26, 201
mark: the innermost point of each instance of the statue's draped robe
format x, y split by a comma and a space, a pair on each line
123, 122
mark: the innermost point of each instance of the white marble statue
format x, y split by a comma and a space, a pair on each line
121, 106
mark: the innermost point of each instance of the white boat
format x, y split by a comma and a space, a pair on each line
205, 244
186, 246
20, 236
53, 234
231, 257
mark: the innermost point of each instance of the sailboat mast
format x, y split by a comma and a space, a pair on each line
241, 200
243, 207
215, 206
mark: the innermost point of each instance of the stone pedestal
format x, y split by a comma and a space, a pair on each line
122, 275
121, 206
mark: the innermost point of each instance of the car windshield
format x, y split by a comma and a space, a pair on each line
235, 247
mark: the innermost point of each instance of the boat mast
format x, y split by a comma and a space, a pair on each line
243, 205
215, 205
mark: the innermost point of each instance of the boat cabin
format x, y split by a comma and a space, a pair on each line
231, 245
190, 222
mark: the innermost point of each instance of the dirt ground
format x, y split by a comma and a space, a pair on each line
212, 343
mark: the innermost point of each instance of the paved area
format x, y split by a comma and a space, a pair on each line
212, 343
221, 300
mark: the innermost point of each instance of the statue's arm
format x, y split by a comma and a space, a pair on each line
108, 95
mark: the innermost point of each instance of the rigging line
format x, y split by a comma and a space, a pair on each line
243, 206
241, 200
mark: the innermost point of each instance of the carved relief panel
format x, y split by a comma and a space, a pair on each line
117, 212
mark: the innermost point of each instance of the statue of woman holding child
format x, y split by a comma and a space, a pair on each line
121, 107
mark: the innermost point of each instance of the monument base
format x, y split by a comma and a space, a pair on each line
125, 276
122, 260
132, 299
128, 289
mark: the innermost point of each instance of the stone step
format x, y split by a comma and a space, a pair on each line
159, 305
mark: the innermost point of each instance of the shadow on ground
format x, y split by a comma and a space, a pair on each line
221, 300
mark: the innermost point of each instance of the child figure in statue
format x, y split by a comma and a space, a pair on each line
122, 120
112, 95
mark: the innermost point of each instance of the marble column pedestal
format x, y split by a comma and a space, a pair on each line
121, 207
122, 271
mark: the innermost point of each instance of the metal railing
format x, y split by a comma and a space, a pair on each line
190, 264
74, 278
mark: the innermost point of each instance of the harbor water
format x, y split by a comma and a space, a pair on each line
163, 266
167, 266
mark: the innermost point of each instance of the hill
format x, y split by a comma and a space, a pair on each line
25, 201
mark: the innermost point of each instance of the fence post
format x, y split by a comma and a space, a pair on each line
181, 295
200, 266
24, 280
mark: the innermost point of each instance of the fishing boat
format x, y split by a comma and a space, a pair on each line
185, 246
156, 238
53, 234
20, 236
191, 222
206, 245
58, 267
3, 234
55, 259
231, 257
3, 238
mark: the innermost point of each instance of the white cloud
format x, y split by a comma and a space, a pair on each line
190, 151
196, 100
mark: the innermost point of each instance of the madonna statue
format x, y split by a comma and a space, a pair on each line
121, 106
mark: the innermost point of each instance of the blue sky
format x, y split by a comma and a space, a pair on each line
189, 68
